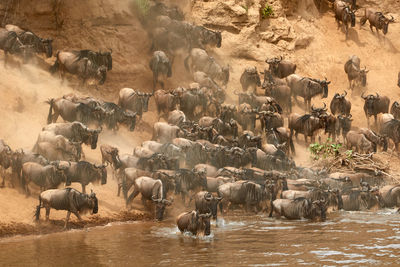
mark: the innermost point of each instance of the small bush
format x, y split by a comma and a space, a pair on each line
326, 149
267, 11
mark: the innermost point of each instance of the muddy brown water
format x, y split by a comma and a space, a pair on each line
346, 238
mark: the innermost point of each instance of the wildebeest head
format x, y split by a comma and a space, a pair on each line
144, 97
160, 207
114, 153
204, 223
324, 84
130, 119
345, 122
107, 59
370, 102
103, 172
93, 137
318, 112
212, 203
92, 202
318, 209
274, 64
384, 23
48, 47
363, 76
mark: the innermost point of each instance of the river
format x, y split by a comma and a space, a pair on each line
346, 238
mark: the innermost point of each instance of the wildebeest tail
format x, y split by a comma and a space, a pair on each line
364, 18
37, 212
291, 145
49, 116
56, 65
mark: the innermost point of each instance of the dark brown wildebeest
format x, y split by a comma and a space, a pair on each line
67, 199
395, 110
374, 105
205, 202
340, 105
270, 120
134, 100
280, 136
344, 124
377, 20
280, 68
160, 64
307, 88
199, 60
250, 78
374, 138
359, 142
390, 196
190, 100
194, 222
46, 177
78, 63
391, 129
344, 14
278, 89
354, 200
355, 75
165, 102
150, 189
84, 173
246, 117
305, 124
115, 115
300, 208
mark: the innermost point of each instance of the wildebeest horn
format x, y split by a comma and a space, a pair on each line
110, 50
362, 95
392, 19
268, 60
377, 95
207, 197
207, 215
324, 108
350, 116
345, 93
235, 92
154, 199
312, 107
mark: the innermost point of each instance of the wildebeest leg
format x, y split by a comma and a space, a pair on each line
83, 188
155, 78
370, 26
5, 58
67, 219
132, 196
3, 174
47, 212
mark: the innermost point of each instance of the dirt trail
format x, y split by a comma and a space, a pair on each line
108, 25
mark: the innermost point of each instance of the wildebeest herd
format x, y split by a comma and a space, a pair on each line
219, 155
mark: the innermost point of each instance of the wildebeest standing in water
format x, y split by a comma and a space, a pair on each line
374, 105
377, 20
67, 199
160, 64
344, 14
79, 63
299, 208
355, 75
194, 222
205, 202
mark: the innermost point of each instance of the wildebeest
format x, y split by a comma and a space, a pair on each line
377, 20
305, 124
11, 44
110, 155
58, 142
281, 68
46, 177
159, 8
199, 60
75, 132
340, 105
246, 193
269, 120
27, 37
359, 142
194, 222
355, 200
307, 88
374, 138
73, 62
344, 14
84, 173
165, 102
176, 117
332, 198
164, 133
67, 199
355, 75
250, 78
115, 115
278, 89
190, 100
5, 158
374, 105
344, 124
390, 196
280, 136
160, 65
246, 117
133, 100
150, 189
391, 129
300, 208
395, 109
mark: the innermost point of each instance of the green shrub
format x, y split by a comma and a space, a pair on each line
267, 11
326, 149
142, 6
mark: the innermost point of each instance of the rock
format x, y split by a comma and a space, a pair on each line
303, 41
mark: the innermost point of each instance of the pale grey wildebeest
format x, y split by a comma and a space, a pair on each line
134, 100
73, 63
67, 199
199, 60
160, 65
355, 75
